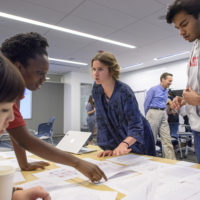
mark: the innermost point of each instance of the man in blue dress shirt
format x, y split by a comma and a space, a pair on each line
154, 106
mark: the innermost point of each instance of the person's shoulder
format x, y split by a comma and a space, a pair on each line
155, 87
123, 87
124, 91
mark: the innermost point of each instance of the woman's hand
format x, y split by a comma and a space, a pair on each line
121, 149
105, 153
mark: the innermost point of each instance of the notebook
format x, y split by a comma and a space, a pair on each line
73, 142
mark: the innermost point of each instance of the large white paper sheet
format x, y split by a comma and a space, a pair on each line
14, 162
127, 184
61, 190
111, 170
11, 154
160, 184
178, 171
18, 177
49, 184
148, 166
185, 164
129, 159
64, 173
81, 193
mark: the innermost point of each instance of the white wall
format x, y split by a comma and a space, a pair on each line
148, 77
72, 82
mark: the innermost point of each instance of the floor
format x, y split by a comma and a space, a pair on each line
190, 158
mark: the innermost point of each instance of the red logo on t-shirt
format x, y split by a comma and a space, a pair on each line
194, 61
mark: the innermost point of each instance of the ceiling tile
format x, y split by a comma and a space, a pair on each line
136, 8
32, 11
165, 2
103, 15
144, 33
86, 26
58, 5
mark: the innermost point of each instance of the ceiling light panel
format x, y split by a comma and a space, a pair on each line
62, 29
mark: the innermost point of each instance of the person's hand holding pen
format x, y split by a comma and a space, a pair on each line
122, 148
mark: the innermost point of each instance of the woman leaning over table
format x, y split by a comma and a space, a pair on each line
121, 128
11, 89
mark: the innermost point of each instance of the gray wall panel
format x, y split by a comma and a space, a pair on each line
47, 102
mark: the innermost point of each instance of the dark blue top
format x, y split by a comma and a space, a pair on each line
156, 98
120, 118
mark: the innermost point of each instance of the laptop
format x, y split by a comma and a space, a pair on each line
73, 142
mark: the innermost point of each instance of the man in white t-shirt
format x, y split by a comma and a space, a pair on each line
185, 15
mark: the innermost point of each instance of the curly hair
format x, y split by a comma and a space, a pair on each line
12, 84
192, 7
22, 47
109, 60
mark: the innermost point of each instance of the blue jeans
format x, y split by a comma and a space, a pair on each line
197, 144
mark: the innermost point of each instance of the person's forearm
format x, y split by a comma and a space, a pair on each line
20, 154
197, 100
42, 148
91, 112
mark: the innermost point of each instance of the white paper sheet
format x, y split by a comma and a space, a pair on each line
148, 166
111, 169
81, 193
11, 154
61, 190
185, 164
127, 184
49, 184
14, 162
18, 177
159, 181
178, 191
195, 196
178, 171
129, 159
162, 185
64, 173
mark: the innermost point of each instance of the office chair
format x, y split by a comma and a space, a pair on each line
186, 136
45, 130
175, 137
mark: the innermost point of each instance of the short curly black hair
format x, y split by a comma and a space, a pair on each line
192, 7
23, 46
